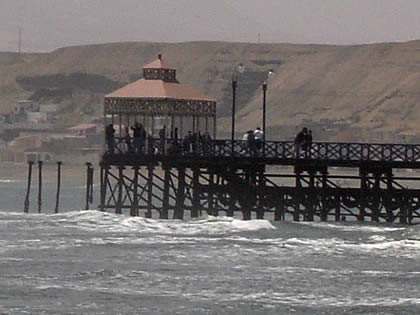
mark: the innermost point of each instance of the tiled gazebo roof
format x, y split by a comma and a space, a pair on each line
159, 92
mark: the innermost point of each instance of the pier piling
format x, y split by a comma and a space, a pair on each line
28, 189
57, 197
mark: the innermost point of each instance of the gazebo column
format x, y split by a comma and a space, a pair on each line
172, 125
181, 127
214, 127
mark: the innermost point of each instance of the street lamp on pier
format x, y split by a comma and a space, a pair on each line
264, 88
237, 71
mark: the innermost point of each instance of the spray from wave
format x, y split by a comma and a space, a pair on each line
97, 221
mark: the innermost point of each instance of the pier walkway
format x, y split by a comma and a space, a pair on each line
379, 181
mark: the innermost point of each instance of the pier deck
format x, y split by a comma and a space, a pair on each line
325, 181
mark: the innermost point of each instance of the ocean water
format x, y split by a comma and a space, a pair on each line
90, 262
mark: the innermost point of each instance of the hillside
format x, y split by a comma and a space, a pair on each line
364, 92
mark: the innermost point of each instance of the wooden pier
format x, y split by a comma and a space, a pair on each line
160, 162
329, 181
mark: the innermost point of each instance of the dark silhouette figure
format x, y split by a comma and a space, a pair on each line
251, 142
206, 142
139, 137
308, 143
299, 141
174, 135
187, 142
127, 140
258, 135
109, 138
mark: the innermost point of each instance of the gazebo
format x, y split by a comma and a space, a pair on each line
159, 101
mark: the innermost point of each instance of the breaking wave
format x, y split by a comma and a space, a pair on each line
93, 220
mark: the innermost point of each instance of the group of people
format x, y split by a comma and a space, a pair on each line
303, 142
133, 140
196, 142
252, 141
134, 143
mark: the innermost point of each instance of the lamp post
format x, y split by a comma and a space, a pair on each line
264, 88
234, 84
238, 70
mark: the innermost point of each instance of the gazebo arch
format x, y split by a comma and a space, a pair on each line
158, 101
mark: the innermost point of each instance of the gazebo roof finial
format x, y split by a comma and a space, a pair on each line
160, 56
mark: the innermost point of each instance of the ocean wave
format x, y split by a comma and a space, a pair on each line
413, 232
355, 226
103, 221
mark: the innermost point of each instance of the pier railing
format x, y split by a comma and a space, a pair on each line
272, 150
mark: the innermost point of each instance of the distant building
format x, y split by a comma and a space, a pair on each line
39, 156
21, 144
49, 108
83, 130
36, 117
22, 107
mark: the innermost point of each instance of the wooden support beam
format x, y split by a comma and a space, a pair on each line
57, 196
150, 170
376, 198
39, 186
180, 195
404, 209
337, 203
196, 207
88, 184
28, 189
211, 210
311, 198
324, 198
102, 205
279, 211
134, 210
232, 200
118, 206
297, 196
362, 195
164, 213
260, 196
387, 200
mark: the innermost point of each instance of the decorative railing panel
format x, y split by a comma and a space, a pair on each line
329, 151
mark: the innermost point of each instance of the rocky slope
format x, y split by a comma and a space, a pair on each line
353, 93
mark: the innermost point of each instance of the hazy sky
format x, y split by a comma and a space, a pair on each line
50, 24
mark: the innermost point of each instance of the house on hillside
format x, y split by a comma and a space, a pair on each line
36, 156
23, 143
83, 130
44, 113
22, 107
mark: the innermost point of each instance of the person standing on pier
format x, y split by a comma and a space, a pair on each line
251, 142
244, 143
258, 135
127, 139
299, 141
308, 143
109, 137
139, 137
